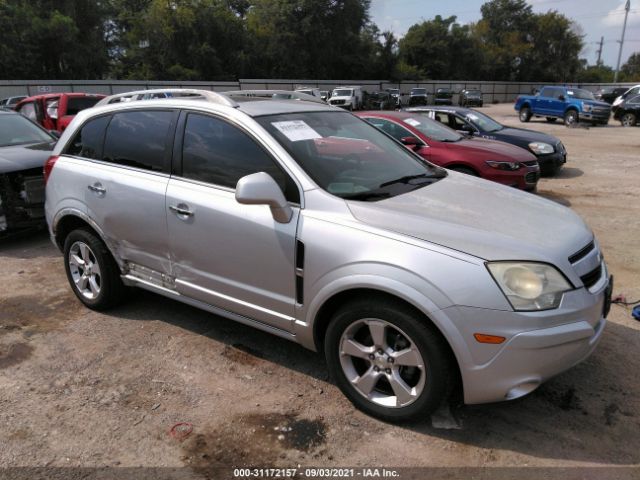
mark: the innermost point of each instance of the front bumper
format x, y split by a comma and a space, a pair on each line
533, 351
551, 162
596, 116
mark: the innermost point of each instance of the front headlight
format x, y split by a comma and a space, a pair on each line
529, 286
540, 148
503, 165
586, 107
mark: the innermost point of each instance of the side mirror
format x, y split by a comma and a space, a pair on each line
561, 98
261, 189
411, 142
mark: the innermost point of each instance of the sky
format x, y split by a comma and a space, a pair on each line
596, 17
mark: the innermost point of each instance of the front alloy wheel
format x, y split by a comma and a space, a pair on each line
571, 118
525, 114
628, 120
382, 363
388, 360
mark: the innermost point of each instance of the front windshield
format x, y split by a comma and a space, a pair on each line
17, 130
473, 93
394, 91
347, 157
418, 91
342, 92
581, 94
483, 122
432, 129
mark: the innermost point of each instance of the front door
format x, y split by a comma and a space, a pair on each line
233, 256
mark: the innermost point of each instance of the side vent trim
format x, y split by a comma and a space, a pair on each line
299, 272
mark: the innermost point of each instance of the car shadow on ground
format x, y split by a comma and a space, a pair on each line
554, 197
569, 172
582, 415
28, 244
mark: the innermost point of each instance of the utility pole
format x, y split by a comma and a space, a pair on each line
624, 27
599, 62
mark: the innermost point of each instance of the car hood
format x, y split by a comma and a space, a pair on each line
596, 103
23, 157
480, 218
527, 136
492, 150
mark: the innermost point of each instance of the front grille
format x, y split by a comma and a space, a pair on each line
583, 252
560, 147
337, 102
531, 177
591, 278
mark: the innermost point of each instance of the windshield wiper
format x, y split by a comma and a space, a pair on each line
408, 178
366, 195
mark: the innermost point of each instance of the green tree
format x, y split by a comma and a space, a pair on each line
53, 39
631, 69
310, 38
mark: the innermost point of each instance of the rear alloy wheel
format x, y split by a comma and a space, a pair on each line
571, 118
93, 274
551, 119
525, 114
628, 120
389, 363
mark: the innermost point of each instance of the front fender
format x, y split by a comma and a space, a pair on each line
304, 329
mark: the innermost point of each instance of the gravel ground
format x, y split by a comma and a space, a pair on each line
80, 388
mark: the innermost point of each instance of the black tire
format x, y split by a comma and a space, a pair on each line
438, 372
571, 118
465, 170
525, 114
551, 119
628, 119
111, 289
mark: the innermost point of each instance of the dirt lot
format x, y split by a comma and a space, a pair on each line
79, 388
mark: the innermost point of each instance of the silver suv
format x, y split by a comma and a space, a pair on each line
305, 221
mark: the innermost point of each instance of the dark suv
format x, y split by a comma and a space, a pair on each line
443, 96
418, 96
470, 98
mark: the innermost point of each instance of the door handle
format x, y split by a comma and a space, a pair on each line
97, 188
181, 209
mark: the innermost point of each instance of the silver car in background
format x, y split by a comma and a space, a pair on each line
303, 220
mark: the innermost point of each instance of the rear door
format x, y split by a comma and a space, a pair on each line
127, 158
233, 256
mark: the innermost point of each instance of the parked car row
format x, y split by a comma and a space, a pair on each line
336, 231
455, 138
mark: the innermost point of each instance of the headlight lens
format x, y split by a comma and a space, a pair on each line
529, 286
586, 107
503, 165
540, 148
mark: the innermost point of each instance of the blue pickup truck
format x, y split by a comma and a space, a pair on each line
570, 104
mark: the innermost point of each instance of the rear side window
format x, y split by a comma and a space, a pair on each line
75, 104
138, 139
89, 140
221, 154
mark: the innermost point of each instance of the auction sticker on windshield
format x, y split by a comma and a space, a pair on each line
412, 122
296, 130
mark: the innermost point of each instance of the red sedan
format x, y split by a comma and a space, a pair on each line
488, 159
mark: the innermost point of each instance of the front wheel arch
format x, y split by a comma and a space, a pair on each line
338, 300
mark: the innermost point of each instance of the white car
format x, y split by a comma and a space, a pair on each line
347, 97
628, 94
